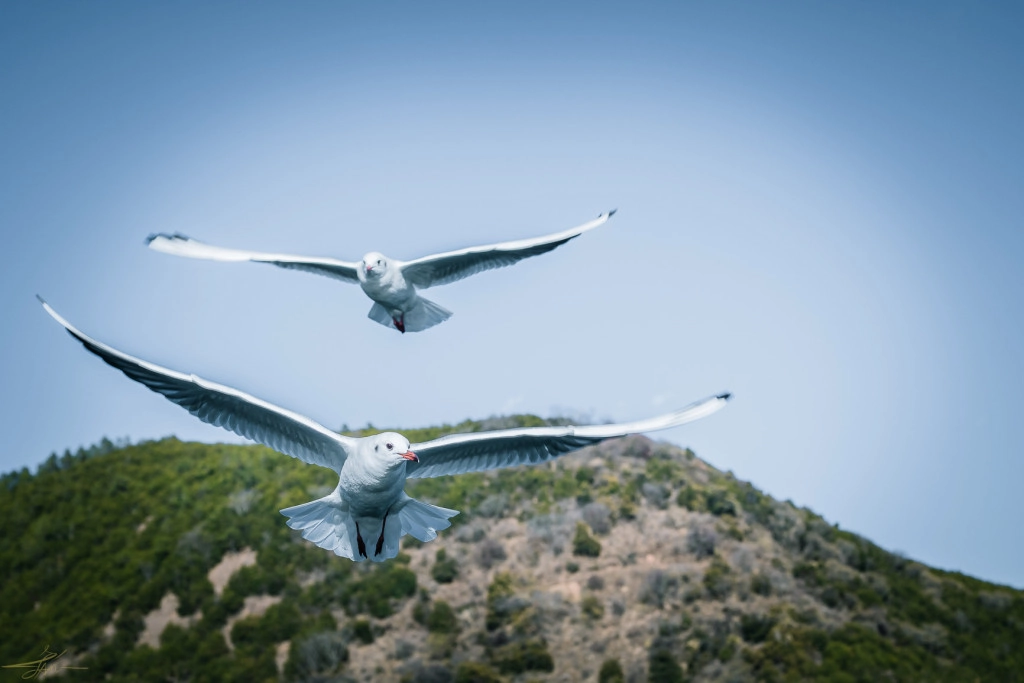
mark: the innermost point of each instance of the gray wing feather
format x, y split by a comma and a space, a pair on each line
222, 406
180, 245
441, 269
460, 453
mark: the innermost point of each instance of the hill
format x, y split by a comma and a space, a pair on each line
630, 561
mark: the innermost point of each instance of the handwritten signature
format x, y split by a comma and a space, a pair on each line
40, 666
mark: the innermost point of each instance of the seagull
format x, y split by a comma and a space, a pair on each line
390, 283
368, 512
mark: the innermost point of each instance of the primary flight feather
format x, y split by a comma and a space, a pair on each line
368, 512
390, 283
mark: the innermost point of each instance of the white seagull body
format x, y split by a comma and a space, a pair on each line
391, 283
368, 512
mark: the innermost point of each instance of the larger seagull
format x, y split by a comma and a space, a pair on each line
369, 511
391, 283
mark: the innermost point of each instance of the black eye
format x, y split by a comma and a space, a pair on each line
378, 262
390, 446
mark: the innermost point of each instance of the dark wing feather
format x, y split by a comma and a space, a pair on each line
222, 406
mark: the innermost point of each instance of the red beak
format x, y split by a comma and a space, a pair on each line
409, 455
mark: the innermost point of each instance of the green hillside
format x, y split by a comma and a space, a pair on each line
630, 561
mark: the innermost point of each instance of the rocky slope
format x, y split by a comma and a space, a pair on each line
629, 561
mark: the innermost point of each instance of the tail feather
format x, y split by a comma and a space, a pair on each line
422, 520
328, 523
425, 314
379, 314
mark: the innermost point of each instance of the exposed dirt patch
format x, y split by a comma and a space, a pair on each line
157, 620
228, 565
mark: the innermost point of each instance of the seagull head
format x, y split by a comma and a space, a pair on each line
393, 448
374, 264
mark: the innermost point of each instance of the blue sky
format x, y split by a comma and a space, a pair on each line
819, 210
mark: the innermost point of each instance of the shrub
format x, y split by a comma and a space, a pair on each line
716, 579
718, 503
755, 628
321, 655
432, 673
472, 672
442, 618
611, 672
445, 569
374, 592
657, 586
490, 552
664, 668
761, 584
598, 517
656, 494
493, 506
701, 540
595, 582
572, 567
516, 658
691, 498
592, 607
362, 632
502, 603
583, 544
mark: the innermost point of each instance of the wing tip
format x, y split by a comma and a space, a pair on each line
176, 237
612, 212
724, 396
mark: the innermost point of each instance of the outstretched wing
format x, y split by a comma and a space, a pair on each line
221, 406
460, 453
440, 269
180, 245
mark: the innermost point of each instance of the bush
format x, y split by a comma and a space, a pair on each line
761, 584
611, 672
490, 552
502, 604
716, 579
664, 668
595, 582
701, 540
592, 607
442, 618
362, 632
690, 498
374, 592
472, 672
718, 503
445, 569
432, 673
493, 505
657, 586
572, 567
319, 655
583, 544
656, 494
516, 658
598, 517
755, 628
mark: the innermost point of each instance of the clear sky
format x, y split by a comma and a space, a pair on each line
819, 210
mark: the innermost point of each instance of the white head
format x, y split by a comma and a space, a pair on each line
374, 264
392, 448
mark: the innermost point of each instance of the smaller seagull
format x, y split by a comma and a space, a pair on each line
389, 282
368, 512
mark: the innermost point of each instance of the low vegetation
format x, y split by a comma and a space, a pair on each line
629, 561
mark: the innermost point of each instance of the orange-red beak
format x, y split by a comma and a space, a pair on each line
409, 455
